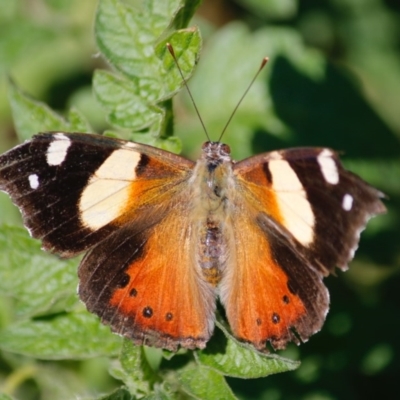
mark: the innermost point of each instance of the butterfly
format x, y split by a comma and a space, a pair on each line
166, 238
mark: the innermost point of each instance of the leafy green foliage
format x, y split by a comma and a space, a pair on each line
301, 98
130, 41
32, 116
38, 282
203, 383
232, 358
134, 370
74, 335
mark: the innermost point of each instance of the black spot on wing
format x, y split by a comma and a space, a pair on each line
286, 299
275, 318
124, 281
147, 312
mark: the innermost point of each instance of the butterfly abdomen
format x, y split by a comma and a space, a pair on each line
212, 254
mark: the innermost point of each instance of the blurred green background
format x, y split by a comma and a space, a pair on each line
333, 80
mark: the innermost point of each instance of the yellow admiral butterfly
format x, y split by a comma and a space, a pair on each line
165, 236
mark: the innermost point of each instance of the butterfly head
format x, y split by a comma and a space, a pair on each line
216, 153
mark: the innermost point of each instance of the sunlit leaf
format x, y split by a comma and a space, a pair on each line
38, 281
134, 370
204, 383
74, 335
232, 358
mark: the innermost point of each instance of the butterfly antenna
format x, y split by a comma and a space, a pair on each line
172, 52
263, 62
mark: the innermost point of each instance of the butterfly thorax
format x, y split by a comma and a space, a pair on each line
211, 182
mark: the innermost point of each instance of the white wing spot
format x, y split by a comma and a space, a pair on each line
57, 151
33, 181
131, 145
328, 167
275, 155
347, 202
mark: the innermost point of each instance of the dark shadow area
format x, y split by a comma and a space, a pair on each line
60, 91
217, 343
329, 113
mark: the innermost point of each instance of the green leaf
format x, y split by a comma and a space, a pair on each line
76, 335
157, 14
121, 98
184, 15
31, 116
37, 280
172, 144
230, 357
58, 381
127, 36
204, 383
138, 100
186, 44
124, 38
78, 123
9, 213
134, 369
